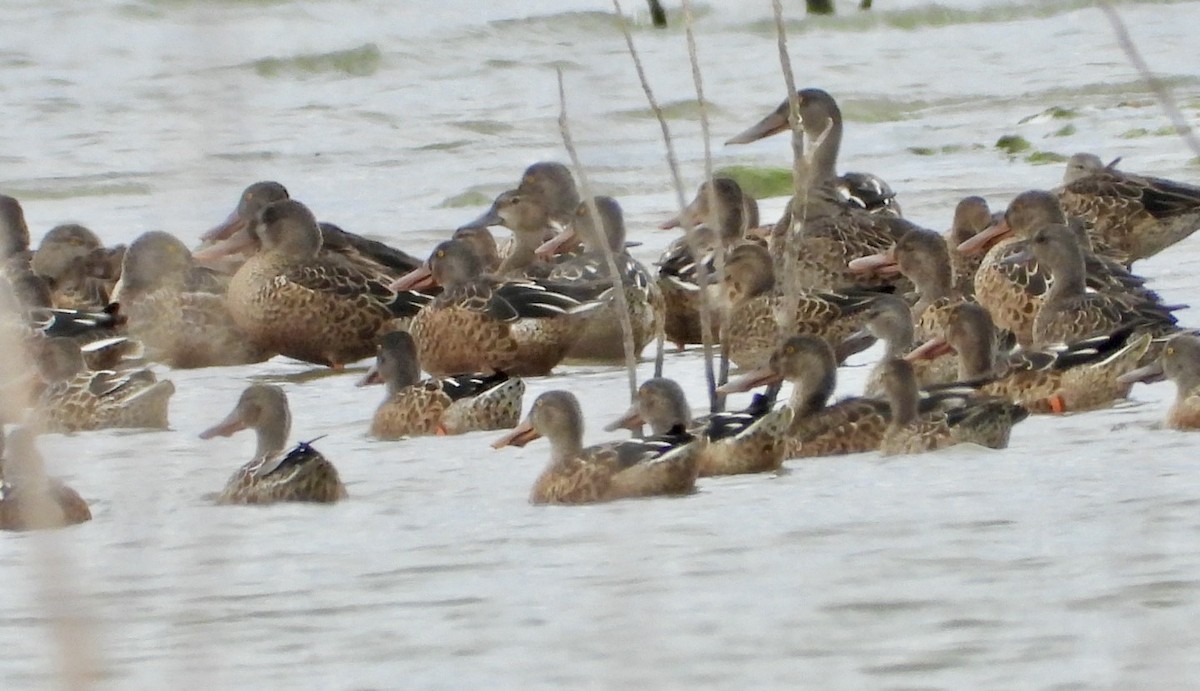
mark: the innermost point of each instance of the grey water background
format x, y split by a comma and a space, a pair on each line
1069, 560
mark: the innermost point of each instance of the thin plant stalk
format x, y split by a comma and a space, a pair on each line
706, 326
618, 285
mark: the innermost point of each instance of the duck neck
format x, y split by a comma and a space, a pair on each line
824, 166
272, 433
811, 393
565, 447
523, 253
903, 401
1067, 276
975, 355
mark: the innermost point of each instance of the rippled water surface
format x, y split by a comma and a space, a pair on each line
1069, 560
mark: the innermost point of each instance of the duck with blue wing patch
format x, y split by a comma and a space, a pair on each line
445, 405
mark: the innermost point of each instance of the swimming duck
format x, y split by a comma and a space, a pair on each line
1079, 376
984, 421
301, 474
889, 319
603, 335
28, 499
818, 111
720, 215
1136, 215
449, 405
749, 441
754, 307
292, 299
576, 474
481, 323
76, 398
179, 326
851, 425
1070, 312
971, 216
226, 245
1013, 290
1179, 362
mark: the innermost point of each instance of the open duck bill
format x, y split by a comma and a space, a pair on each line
881, 264
772, 124
1145, 375
984, 239
563, 242
487, 219
226, 427
372, 376
631, 420
522, 435
764, 376
932, 349
236, 243
232, 224
418, 278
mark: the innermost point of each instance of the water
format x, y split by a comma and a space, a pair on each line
1068, 560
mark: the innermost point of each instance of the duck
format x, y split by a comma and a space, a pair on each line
971, 216
29, 500
660, 465
447, 405
1013, 291
1137, 216
817, 111
292, 299
818, 428
1074, 377
528, 217
889, 319
167, 301
754, 309
984, 421
483, 323
734, 443
602, 338
78, 399
1179, 361
225, 246
65, 259
301, 474
552, 184
720, 215
1070, 312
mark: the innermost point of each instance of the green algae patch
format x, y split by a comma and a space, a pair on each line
354, 62
1039, 158
760, 183
1013, 144
1064, 131
472, 197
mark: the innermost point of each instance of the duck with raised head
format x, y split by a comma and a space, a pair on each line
720, 215
1013, 290
1074, 377
528, 217
1138, 216
446, 405
1179, 361
971, 216
754, 309
292, 299
603, 336
76, 398
818, 428
819, 111
984, 421
227, 245
482, 323
301, 474
1070, 312
747, 441
29, 500
179, 325
659, 465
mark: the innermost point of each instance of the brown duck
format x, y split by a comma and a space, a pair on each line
28, 499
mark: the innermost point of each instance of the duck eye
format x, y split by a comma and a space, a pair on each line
790, 350
441, 253
1170, 350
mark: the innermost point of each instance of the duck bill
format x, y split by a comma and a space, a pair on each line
1145, 375
232, 224
772, 124
237, 243
563, 242
372, 377
630, 420
522, 435
883, 264
418, 278
932, 349
690, 217
985, 238
226, 427
1022, 257
764, 376
489, 218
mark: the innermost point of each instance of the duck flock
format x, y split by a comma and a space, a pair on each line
1033, 310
